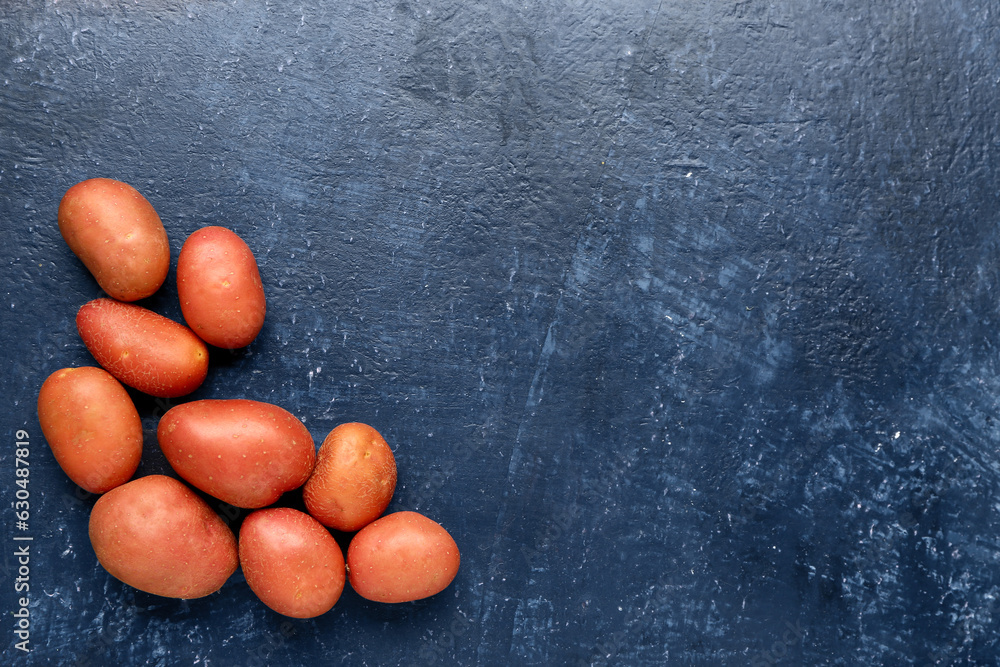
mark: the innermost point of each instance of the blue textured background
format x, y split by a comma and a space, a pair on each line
680, 316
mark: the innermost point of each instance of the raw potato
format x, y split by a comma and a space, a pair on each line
246, 453
402, 557
142, 349
92, 426
118, 236
291, 562
155, 534
354, 478
220, 290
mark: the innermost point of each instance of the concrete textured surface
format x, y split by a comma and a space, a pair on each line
682, 318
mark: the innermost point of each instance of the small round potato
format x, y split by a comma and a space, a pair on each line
92, 426
142, 349
354, 478
402, 557
219, 286
118, 236
291, 562
157, 535
246, 453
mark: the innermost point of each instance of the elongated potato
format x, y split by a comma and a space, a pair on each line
142, 349
291, 562
118, 236
246, 453
157, 535
91, 426
354, 478
402, 557
219, 286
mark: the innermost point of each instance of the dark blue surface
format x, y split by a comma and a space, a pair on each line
680, 317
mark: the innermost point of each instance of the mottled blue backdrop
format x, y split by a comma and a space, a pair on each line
682, 317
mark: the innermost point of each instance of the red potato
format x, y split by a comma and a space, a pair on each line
156, 535
354, 478
91, 426
220, 290
142, 349
246, 453
402, 557
118, 236
291, 562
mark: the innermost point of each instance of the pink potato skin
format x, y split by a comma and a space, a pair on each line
142, 349
291, 562
246, 453
402, 557
354, 478
92, 427
117, 235
220, 290
156, 535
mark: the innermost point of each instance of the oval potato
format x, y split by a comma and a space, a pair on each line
354, 478
156, 535
246, 453
142, 349
91, 426
118, 236
402, 557
291, 562
220, 290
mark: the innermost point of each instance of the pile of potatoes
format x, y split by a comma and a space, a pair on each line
155, 533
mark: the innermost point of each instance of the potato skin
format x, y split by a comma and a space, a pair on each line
156, 535
142, 349
291, 562
402, 557
220, 290
118, 236
354, 478
91, 426
246, 453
